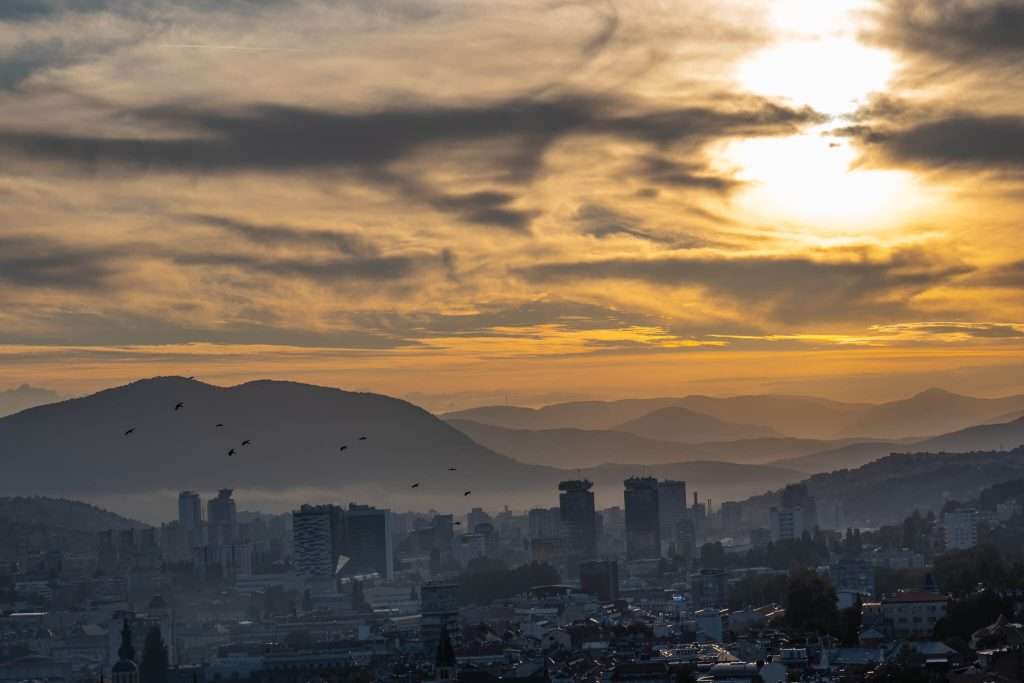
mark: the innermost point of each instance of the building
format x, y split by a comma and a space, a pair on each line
367, 541
600, 578
316, 534
913, 614
125, 670
190, 517
960, 529
440, 612
732, 516
709, 589
787, 523
643, 526
671, 513
545, 523
222, 519
853, 577
711, 625
578, 520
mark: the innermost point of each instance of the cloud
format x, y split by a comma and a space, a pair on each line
288, 236
602, 222
982, 330
283, 138
38, 262
842, 285
954, 29
959, 140
486, 208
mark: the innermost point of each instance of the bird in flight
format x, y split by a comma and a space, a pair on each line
129, 431
219, 424
246, 442
458, 523
179, 405
362, 438
231, 452
467, 493
415, 486
343, 448
451, 469
191, 377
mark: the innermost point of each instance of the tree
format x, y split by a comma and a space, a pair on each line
153, 668
849, 622
811, 603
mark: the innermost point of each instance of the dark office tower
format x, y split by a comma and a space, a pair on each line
600, 579
643, 528
222, 519
576, 512
368, 541
732, 516
671, 511
796, 496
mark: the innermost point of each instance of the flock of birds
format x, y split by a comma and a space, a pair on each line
246, 442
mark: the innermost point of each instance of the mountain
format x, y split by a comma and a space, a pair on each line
989, 437
927, 413
986, 437
574, 448
795, 415
934, 411
887, 490
39, 524
686, 426
25, 396
571, 448
77, 449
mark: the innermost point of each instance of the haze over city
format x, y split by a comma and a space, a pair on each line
552, 341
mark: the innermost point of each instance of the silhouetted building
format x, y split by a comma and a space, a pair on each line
709, 589
643, 528
578, 519
440, 613
316, 532
545, 522
222, 519
125, 670
367, 541
671, 513
190, 517
600, 578
960, 529
732, 516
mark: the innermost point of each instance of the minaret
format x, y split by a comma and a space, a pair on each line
444, 664
125, 671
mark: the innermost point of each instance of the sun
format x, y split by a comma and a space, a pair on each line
811, 179
832, 76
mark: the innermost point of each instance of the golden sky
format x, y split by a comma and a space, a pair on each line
526, 200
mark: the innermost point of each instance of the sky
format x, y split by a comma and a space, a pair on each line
521, 201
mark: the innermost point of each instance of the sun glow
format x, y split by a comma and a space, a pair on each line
832, 77
811, 179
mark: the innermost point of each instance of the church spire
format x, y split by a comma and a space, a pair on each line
126, 652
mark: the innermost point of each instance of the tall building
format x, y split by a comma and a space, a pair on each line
125, 670
671, 512
439, 606
367, 541
545, 523
643, 528
960, 529
190, 514
221, 519
600, 578
316, 533
787, 524
732, 516
578, 519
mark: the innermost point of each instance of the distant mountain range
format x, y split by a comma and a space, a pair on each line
23, 397
885, 491
77, 448
930, 412
682, 425
574, 448
987, 437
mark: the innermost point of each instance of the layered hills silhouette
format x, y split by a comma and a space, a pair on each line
675, 423
77, 448
927, 413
